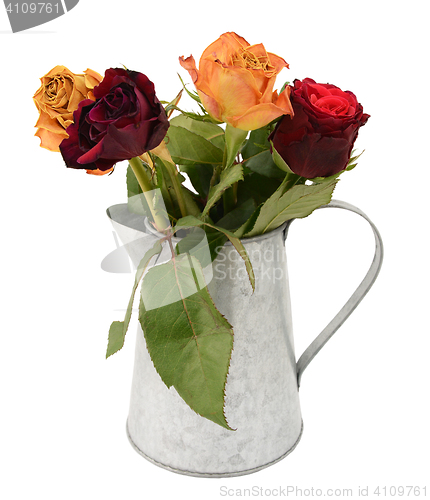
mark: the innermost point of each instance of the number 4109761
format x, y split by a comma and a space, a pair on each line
33, 8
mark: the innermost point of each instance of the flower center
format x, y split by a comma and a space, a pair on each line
52, 88
246, 59
334, 105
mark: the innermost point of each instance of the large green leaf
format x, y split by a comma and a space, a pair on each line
227, 178
209, 131
297, 202
188, 339
187, 148
118, 329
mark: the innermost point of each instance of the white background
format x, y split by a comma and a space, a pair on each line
365, 396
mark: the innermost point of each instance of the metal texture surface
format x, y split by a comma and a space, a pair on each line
262, 401
262, 398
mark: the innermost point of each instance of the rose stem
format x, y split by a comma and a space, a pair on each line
140, 173
173, 174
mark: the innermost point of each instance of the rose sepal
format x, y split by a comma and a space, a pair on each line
279, 161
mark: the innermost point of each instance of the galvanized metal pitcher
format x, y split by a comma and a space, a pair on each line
262, 390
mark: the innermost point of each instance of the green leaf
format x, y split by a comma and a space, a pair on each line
133, 187
204, 117
319, 180
352, 161
248, 225
234, 138
209, 131
215, 239
279, 161
193, 95
188, 339
234, 219
227, 178
171, 106
118, 329
297, 202
201, 245
190, 203
191, 221
258, 187
263, 164
284, 87
200, 177
257, 143
188, 148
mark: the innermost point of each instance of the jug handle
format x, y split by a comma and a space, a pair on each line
313, 349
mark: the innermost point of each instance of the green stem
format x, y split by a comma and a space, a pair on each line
234, 138
140, 173
160, 221
173, 173
293, 179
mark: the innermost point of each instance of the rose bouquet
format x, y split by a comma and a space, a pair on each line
254, 158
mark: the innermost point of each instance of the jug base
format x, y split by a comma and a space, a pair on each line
214, 474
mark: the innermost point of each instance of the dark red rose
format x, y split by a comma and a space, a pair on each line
124, 121
318, 140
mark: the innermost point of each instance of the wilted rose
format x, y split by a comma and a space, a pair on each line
57, 98
124, 121
318, 141
235, 82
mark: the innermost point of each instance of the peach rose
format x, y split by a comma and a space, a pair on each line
57, 98
235, 82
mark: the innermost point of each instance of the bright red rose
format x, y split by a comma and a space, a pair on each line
124, 121
318, 141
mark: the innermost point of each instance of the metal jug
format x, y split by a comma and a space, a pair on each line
262, 390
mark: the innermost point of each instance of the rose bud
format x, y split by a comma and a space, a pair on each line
57, 98
318, 141
125, 120
235, 82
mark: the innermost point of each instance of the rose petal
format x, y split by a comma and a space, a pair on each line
100, 172
257, 116
48, 140
234, 77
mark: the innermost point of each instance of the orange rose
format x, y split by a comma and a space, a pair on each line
235, 82
58, 96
